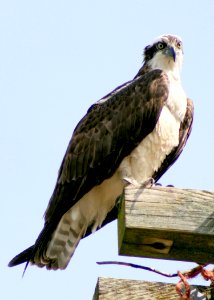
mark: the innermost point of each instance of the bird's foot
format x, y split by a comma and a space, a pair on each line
145, 184
130, 181
148, 183
168, 185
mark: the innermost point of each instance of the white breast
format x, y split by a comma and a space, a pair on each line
151, 152
140, 165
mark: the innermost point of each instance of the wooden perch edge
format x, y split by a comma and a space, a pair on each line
124, 289
167, 223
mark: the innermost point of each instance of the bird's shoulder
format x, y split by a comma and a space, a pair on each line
143, 83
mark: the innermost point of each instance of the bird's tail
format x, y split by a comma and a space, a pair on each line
65, 239
22, 257
54, 248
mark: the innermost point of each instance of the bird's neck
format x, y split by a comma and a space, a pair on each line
171, 71
168, 65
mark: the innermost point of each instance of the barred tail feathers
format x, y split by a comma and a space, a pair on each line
56, 253
65, 239
54, 249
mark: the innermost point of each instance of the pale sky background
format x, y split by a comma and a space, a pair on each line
56, 59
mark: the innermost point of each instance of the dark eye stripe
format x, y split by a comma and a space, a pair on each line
150, 51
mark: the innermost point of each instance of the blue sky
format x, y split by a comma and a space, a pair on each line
56, 59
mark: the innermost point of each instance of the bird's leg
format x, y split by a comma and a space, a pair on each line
148, 183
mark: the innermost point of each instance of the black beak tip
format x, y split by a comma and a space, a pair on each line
172, 53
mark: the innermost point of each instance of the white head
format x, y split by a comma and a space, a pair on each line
165, 53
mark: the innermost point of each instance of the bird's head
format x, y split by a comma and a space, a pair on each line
165, 53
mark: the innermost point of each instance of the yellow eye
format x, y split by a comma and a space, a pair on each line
160, 46
179, 45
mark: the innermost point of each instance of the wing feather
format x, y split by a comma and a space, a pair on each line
185, 131
109, 131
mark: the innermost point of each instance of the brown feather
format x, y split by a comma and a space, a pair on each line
109, 131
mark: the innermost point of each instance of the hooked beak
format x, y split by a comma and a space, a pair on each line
170, 51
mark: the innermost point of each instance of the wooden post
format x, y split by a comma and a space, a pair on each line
125, 289
164, 223
167, 223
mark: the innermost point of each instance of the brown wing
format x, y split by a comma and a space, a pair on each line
185, 130
110, 130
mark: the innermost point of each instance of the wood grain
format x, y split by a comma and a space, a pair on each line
168, 223
124, 289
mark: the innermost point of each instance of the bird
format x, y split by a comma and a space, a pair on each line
134, 133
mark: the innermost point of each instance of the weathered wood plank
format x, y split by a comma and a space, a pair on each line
124, 289
168, 223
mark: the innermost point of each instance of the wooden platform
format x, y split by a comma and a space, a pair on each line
124, 289
164, 223
167, 223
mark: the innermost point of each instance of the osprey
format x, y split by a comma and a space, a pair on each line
134, 133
